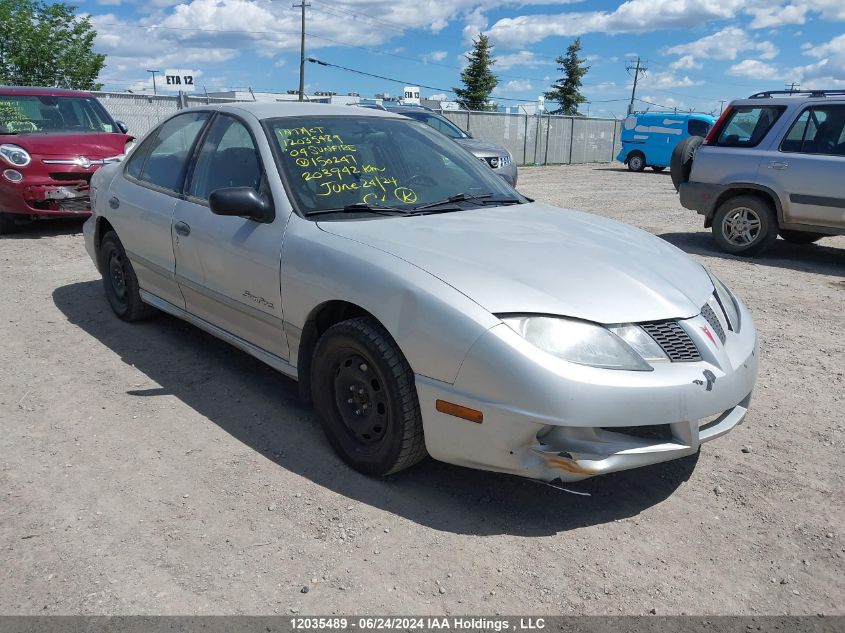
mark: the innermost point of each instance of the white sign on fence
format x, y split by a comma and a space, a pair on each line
412, 95
179, 79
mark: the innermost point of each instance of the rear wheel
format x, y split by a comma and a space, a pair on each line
800, 237
745, 225
365, 397
636, 161
120, 282
680, 165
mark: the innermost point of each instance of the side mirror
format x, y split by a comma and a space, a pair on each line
121, 125
243, 202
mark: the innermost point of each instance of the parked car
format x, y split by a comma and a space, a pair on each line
772, 165
497, 157
51, 142
423, 304
648, 138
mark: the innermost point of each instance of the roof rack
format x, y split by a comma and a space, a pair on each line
813, 93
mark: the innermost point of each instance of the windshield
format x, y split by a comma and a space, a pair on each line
20, 114
330, 162
439, 123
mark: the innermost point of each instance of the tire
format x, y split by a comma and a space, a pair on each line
636, 161
680, 165
800, 237
754, 224
657, 169
120, 281
364, 394
7, 224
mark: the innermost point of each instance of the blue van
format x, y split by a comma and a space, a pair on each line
648, 138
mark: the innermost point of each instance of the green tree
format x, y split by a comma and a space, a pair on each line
44, 44
477, 77
566, 90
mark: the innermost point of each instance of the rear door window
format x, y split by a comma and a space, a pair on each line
819, 130
746, 126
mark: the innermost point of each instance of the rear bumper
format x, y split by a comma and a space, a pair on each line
700, 197
547, 419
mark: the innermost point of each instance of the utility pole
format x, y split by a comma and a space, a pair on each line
638, 69
153, 73
722, 103
302, 4
791, 87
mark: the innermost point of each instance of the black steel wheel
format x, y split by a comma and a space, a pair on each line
120, 282
364, 394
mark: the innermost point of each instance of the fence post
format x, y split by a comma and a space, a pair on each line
571, 138
468, 119
525, 142
613, 141
548, 127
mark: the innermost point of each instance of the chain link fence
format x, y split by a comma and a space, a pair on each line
545, 139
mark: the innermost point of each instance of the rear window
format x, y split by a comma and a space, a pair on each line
696, 127
746, 126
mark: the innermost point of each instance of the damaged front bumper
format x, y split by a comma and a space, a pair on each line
547, 419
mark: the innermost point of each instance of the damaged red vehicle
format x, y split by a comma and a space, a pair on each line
51, 142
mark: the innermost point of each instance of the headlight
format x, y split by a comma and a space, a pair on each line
577, 342
15, 155
640, 341
727, 301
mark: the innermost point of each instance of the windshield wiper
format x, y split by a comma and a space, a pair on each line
361, 207
458, 197
503, 201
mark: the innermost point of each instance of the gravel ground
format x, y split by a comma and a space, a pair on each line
152, 469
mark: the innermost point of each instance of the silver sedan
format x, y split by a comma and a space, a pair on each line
424, 305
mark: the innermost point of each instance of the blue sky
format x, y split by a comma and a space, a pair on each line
698, 52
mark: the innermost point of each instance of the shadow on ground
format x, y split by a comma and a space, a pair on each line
46, 228
811, 258
260, 408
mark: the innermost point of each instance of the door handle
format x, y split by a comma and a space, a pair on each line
114, 203
778, 164
182, 229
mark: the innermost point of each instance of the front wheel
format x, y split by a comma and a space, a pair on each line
800, 237
636, 162
745, 225
120, 282
364, 394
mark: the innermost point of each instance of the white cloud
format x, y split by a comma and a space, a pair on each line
687, 62
829, 71
524, 59
516, 85
667, 80
441, 96
724, 45
436, 56
774, 16
754, 69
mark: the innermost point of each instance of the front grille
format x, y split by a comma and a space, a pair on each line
713, 320
66, 176
673, 340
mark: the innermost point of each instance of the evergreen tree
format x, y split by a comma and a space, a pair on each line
47, 44
566, 89
477, 77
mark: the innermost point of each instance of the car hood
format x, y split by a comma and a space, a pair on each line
535, 258
65, 144
481, 148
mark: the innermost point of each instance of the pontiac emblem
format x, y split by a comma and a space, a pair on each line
83, 162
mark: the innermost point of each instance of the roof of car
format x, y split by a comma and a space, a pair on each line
273, 109
44, 92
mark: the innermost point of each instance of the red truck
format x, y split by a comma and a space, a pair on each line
51, 142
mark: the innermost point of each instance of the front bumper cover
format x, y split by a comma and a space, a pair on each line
547, 419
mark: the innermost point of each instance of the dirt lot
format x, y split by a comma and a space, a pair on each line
152, 469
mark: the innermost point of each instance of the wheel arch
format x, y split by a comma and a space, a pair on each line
320, 319
101, 227
746, 189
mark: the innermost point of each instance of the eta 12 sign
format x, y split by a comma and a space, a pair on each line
179, 79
